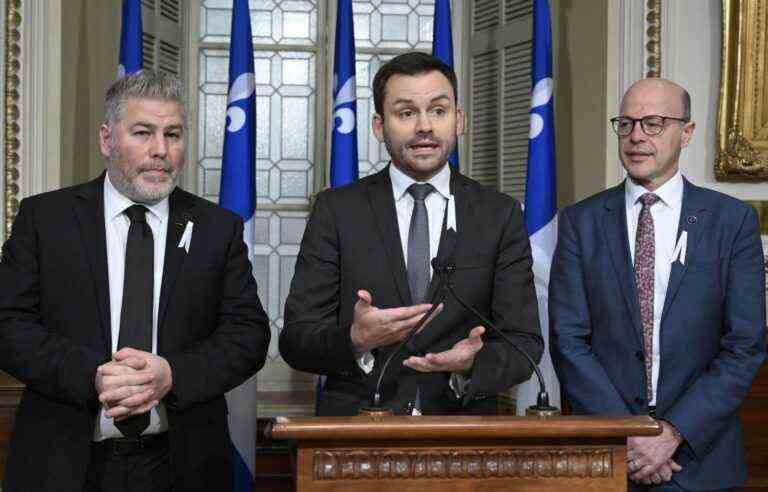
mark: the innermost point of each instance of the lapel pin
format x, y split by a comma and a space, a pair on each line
186, 237
691, 219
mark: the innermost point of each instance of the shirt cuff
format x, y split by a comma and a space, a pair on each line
459, 384
365, 362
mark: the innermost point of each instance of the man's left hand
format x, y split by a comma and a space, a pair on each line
458, 359
158, 387
648, 456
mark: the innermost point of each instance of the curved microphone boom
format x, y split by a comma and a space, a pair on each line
446, 271
437, 298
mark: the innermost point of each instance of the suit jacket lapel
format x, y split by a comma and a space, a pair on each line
448, 242
89, 210
181, 212
615, 232
384, 215
693, 220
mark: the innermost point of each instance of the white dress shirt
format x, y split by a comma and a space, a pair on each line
116, 225
666, 218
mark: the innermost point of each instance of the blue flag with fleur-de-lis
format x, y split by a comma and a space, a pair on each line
238, 193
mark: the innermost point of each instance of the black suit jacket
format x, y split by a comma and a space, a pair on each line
352, 242
55, 331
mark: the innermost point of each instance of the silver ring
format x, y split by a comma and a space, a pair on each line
633, 465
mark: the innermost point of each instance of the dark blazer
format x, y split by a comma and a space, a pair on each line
712, 326
55, 331
352, 242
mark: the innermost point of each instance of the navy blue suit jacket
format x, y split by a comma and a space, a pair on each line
712, 335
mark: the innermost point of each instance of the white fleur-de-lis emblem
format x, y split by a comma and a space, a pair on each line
541, 95
345, 116
243, 88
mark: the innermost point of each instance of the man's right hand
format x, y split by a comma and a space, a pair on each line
373, 327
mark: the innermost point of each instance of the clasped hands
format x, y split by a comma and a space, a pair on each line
649, 459
132, 383
373, 327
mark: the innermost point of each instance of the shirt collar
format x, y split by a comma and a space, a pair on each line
115, 203
401, 181
670, 193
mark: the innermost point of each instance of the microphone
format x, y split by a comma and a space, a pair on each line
437, 297
542, 406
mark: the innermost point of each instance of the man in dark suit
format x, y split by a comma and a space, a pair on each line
362, 277
127, 308
657, 302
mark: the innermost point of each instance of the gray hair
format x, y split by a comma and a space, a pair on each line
144, 84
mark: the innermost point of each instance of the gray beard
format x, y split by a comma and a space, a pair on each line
138, 194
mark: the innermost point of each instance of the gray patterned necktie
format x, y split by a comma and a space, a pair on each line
418, 243
645, 262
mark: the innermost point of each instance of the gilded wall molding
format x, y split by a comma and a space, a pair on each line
653, 38
12, 78
446, 464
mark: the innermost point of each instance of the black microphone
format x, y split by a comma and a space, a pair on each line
438, 297
446, 274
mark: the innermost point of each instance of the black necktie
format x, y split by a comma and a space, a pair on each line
418, 243
136, 312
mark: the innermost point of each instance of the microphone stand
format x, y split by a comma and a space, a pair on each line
542, 408
376, 409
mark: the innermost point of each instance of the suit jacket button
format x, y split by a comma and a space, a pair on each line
639, 355
639, 400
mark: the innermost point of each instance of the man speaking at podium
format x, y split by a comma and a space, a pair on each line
364, 275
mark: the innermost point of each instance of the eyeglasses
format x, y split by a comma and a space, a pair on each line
652, 125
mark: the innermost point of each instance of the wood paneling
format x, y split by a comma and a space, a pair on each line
754, 416
10, 395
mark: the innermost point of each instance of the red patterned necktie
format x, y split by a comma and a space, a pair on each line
645, 258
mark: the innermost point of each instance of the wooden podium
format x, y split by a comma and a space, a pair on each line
447, 454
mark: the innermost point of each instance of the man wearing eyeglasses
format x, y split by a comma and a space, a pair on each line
657, 302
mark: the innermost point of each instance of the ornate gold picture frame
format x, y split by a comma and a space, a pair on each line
11, 131
742, 118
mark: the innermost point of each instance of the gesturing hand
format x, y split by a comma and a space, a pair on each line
373, 327
458, 359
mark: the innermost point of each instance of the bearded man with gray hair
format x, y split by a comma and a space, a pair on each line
128, 308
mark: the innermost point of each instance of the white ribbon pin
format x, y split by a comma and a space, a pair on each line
679, 253
186, 238
450, 221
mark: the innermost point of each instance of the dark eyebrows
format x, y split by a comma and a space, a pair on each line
403, 101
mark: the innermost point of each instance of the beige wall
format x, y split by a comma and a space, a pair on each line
90, 40
580, 97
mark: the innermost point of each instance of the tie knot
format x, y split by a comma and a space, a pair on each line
420, 191
137, 213
649, 199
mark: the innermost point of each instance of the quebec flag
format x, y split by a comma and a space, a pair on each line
344, 133
541, 195
442, 48
238, 193
131, 57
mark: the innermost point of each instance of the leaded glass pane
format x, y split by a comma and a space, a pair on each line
277, 238
404, 24
372, 156
272, 21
